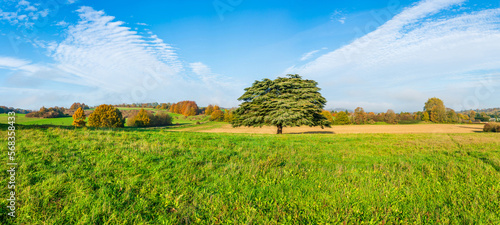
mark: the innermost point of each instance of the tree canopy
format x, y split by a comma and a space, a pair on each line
283, 102
106, 116
79, 118
435, 108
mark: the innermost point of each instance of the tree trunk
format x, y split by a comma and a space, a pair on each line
280, 129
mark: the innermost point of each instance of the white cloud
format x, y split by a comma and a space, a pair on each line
119, 65
105, 54
12, 63
31, 8
62, 23
200, 68
338, 16
413, 50
342, 20
308, 55
142, 24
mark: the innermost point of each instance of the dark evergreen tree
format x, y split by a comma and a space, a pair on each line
284, 102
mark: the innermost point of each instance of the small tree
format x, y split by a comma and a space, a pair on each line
159, 119
451, 116
472, 116
328, 115
342, 118
209, 110
79, 118
359, 116
228, 116
217, 115
390, 117
425, 117
106, 116
142, 119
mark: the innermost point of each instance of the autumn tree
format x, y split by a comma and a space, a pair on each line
209, 110
359, 116
425, 117
229, 116
472, 115
436, 110
327, 115
451, 116
283, 102
79, 118
186, 108
106, 116
390, 117
142, 119
342, 118
77, 105
217, 115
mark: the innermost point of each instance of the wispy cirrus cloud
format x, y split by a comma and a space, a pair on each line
104, 53
116, 62
415, 50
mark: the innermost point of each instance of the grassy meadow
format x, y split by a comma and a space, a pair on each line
138, 176
178, 119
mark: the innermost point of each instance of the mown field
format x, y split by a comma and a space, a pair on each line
127, 176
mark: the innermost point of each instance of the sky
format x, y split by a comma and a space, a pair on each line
377, 55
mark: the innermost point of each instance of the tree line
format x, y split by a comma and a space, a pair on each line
434, 111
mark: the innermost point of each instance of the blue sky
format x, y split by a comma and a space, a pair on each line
375, 54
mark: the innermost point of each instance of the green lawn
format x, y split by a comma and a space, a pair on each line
22, 119
67, 121
123, 176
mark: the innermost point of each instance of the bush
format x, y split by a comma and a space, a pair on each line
492, 127
106, 116
159, 119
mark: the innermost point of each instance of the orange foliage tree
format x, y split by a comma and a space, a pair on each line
79, 118
186, 108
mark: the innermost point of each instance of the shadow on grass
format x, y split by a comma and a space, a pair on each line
314, 132
44, 127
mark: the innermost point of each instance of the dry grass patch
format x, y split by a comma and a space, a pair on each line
353, 129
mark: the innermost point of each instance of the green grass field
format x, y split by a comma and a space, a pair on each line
22, 119
124, 176
67, 121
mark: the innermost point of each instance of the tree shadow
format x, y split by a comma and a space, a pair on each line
314, 132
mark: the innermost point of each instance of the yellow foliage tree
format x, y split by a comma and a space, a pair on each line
217, 115
79, 118
106, 116
142, 119
327, 115
209, 110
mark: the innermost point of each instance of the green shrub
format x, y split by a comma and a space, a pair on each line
159, 119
